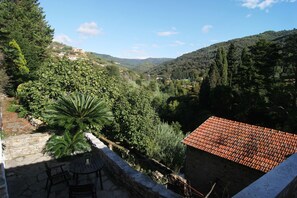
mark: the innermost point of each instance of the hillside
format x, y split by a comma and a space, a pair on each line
61, 50
141, 65
197, 62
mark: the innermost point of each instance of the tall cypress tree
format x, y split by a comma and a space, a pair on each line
213, 76
232, 64
243, 76
225, 68
265, 56
222, 65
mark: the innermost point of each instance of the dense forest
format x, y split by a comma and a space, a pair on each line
196, 64
253, 79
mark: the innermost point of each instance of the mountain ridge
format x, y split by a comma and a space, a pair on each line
136, 64
197, 62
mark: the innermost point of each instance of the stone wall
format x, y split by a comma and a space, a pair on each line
137, 183
280, 182
203, 169
290, 190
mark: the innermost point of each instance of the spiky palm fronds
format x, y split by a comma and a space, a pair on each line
77, 112
66, 145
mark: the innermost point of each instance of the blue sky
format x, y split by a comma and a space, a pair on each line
162, 28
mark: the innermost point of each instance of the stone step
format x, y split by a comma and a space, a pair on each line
25, 139
25, 145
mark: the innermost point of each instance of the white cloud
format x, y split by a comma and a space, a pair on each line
266, 3
155, 45
262, 4
250, 3
206, 28
167, 33
177, 43
89, 29
248, 16
63, 38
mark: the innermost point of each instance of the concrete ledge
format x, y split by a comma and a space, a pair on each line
138, 184
274, 182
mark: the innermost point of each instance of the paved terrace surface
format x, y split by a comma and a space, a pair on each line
25, 170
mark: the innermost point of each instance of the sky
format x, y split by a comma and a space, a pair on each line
162, 28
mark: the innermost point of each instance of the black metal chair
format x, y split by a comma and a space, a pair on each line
86, 190
55, 175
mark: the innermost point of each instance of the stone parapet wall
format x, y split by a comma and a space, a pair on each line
290, 190
280, 182
137, 183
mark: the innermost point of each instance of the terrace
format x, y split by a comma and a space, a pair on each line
24, 162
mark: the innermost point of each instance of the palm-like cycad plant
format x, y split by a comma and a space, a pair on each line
78, 112
66, 145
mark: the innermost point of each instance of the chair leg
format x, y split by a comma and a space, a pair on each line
49, 191
46, 184
101, 185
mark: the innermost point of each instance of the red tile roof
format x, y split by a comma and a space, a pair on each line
253, 146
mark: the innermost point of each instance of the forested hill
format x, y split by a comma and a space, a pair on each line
195, 64
141, 65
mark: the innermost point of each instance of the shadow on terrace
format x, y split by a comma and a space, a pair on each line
30, 181
26, 175
26, 172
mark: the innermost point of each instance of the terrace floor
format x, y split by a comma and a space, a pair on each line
25, 170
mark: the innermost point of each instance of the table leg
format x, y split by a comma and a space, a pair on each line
100, 177
76, 178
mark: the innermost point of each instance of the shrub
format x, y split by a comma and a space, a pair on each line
166, 146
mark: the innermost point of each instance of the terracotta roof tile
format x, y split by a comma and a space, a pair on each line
257, 147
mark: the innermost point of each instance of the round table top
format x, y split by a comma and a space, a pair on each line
81, 166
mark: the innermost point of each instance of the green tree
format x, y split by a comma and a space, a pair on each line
166, 146
213, 76
135, 118
16, 64
222, 65
78, 112
25, 22
113, 70
290, 56
62, 76
265, 56
153, 86
244, 75
232, 63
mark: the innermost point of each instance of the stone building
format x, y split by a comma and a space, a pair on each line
233, 154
